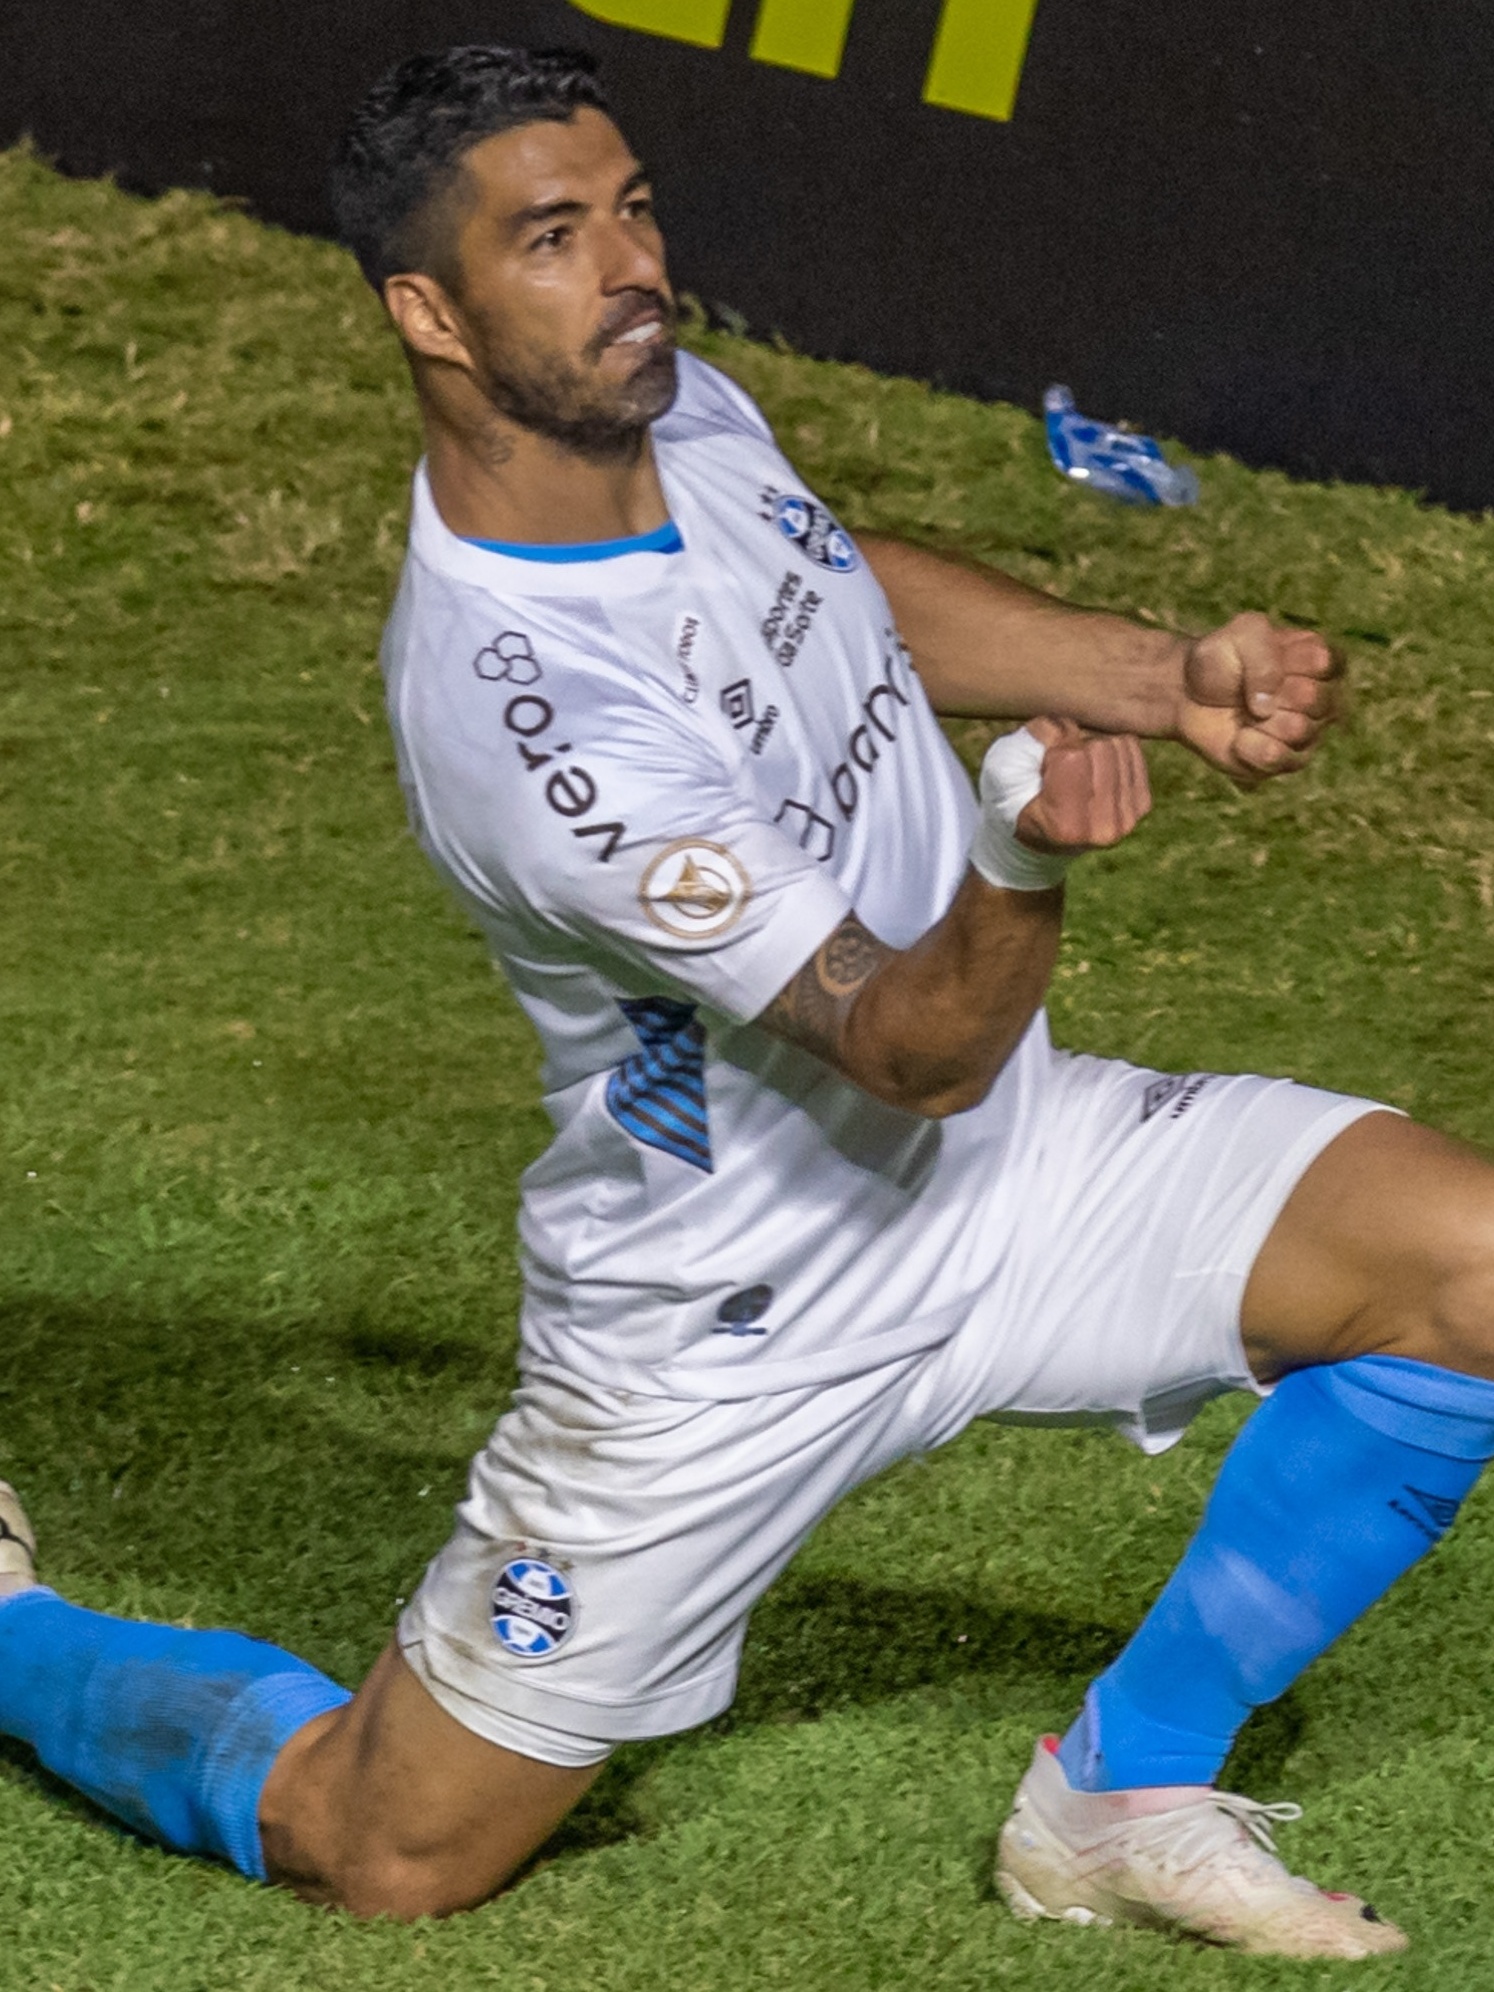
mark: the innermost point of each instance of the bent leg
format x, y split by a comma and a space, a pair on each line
1372, 1298
391, 1807
1333, 1490
1385, 1247
1379, 1276
217, 1744
659, 1523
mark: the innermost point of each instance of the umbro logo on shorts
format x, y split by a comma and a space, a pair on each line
533, 1609
1179, 1088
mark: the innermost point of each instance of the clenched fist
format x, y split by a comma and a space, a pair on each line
1255, 700
1094, 789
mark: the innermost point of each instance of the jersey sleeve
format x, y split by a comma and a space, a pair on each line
624, 834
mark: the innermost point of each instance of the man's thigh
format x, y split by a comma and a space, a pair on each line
598, 1581
1143, 1214
1385, 1247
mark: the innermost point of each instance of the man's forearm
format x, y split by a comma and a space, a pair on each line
986, 646
927, 1028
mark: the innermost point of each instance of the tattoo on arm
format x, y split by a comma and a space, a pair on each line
814, 1009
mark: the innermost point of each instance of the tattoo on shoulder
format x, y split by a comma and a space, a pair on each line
814, 1008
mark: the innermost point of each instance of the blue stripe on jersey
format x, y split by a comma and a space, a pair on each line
663, 539
658, 1094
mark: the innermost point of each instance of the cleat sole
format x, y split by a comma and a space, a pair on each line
1027, 1909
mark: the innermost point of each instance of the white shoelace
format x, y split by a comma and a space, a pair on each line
1199, 1835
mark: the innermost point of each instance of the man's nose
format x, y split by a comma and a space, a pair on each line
630, 262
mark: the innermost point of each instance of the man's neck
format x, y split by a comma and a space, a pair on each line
522, 488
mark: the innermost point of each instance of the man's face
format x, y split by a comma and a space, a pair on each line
561, 284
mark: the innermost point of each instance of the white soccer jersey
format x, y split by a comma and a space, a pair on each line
659, 778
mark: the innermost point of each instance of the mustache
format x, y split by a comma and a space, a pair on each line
634, 307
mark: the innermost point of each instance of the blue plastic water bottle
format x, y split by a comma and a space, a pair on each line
1128, 467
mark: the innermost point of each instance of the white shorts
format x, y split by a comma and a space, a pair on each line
611, 1546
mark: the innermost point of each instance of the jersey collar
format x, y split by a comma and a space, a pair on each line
505, 575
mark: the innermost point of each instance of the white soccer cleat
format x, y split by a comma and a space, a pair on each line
17, 1543
1206, 1867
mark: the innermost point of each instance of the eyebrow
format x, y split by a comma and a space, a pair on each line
530, 217
550, 211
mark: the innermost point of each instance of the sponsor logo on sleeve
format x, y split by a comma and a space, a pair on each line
694, 889
533, 1609
509, 657
817, 533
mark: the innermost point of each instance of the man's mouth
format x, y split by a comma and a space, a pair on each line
639, 322
643, 334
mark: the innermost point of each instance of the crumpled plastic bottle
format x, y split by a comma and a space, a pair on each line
1128, 467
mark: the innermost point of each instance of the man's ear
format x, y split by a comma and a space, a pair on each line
426, 319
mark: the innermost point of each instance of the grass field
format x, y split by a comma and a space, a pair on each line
265, 1107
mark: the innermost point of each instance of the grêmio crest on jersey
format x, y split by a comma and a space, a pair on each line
808, 525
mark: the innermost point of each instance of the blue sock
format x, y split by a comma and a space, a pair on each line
173, 1731
1342, 1480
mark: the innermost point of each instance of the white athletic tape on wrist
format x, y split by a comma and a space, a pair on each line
1010, 776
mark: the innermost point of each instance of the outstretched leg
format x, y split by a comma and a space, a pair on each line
217, 1744
1378, 1281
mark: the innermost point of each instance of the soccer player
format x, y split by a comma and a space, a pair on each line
821, 1191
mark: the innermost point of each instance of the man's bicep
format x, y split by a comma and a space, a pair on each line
813, 1008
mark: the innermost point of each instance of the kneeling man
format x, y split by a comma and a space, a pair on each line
821, 1190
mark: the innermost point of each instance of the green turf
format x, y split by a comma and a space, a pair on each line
265, 1106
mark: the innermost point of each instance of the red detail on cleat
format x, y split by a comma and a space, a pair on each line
1050, 1744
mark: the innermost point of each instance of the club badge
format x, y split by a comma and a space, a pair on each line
816, 532
533, 1609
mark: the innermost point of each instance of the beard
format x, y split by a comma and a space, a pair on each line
603, 421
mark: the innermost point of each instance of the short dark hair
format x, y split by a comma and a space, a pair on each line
403, 147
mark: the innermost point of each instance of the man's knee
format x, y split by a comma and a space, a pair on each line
1386, 1246
383, 1881
1440, 1297
391, 1807
410, 1863
1458, 1323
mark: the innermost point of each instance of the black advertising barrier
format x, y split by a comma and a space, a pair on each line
1263, 227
